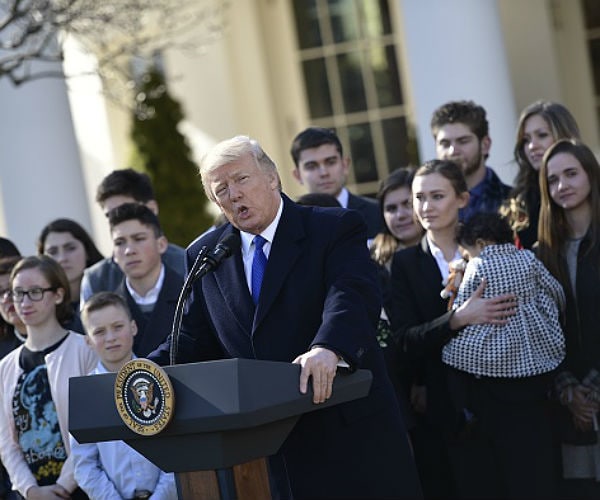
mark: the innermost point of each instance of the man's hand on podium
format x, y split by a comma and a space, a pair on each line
320, 364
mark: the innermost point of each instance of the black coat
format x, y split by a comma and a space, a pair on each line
154, 328
420, 324
319, 288
369, 209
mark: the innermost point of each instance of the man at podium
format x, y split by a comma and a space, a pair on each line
301, 288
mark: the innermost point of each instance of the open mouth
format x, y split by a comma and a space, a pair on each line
243, 211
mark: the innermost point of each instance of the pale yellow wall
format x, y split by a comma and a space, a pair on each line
530, 43
287, 87
548, 58
575, 69
236, 87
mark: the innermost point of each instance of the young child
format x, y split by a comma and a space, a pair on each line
112, 469
532, 342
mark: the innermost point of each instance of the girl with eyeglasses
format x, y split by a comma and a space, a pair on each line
34, 434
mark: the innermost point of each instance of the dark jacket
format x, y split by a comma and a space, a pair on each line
486, 197
420, 325
155, 327
319, 288
369, 209
583, 313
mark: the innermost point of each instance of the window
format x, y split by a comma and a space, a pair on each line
347, 51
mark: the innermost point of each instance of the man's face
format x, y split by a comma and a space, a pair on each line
246, 194
456, 142
137, 249
322, 169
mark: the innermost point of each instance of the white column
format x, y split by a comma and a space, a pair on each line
454, 50
40, 175
102, 136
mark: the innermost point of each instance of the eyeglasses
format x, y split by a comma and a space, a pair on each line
34, 294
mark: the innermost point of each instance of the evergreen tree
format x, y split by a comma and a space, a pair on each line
162, 152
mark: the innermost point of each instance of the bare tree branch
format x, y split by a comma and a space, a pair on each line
32, 32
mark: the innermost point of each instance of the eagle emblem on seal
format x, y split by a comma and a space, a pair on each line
143, 394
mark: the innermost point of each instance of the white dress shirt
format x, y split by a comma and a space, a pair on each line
150, 298
343, 197
440, 260
248, 245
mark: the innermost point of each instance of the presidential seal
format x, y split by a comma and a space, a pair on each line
144, 397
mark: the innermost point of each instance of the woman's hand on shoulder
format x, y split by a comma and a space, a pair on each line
478, 310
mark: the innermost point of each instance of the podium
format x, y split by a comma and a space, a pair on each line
229, 415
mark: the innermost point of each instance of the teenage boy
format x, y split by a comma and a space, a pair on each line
150, 287
119, 187
112, 469
320, 165
461, 133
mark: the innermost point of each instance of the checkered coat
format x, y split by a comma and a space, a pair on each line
532, 341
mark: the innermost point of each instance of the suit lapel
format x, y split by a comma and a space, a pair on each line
285, 250
231, 281
430, 274
355, 202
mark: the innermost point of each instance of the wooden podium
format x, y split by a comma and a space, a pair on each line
229, 415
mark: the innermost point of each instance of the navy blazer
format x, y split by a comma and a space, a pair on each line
420, 322
369, 209
319, 288
154, 328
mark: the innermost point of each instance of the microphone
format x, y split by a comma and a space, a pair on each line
226, 247
205, 262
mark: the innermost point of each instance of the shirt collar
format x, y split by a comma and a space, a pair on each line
152, 296
100, 368
343, 197
435, 250
268, 234
442, 263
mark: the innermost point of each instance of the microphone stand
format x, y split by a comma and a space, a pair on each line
205, 262
192, 276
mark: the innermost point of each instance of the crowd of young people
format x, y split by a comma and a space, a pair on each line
499, 384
